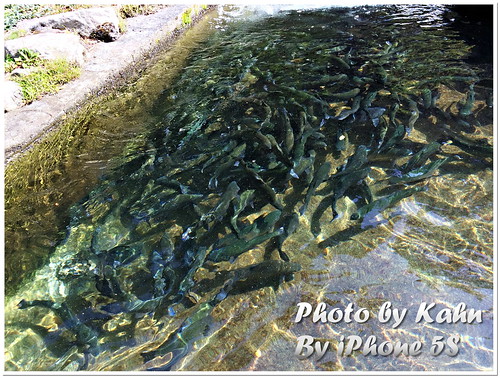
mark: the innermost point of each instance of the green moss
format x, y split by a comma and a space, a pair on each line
122, 25
16, 34
47, 78
186, 17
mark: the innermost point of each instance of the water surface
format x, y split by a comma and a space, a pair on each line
191, 249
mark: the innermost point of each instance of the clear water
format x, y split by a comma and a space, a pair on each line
135, 275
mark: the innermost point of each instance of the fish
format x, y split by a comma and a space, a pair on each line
241, 246
289, 138
420, 173
317, 214
392, 114
344, 95
396, 137
264, 186
291, 224
179, 342
427, 97
220, 210
252, 277
243, 201
340, 62
343, 183
54, 341
298, 151
368, 99
264, 274
414, 115
85, 336
353, 163
231, 158
217, 154
383, 203
383, 127
466, 109
303, 164
356, 102
341, 140
420, 157
187, 282
319, 176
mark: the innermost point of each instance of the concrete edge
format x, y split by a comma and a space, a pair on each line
29, 125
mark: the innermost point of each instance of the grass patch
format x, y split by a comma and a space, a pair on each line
132, 10
47, 78
25, 58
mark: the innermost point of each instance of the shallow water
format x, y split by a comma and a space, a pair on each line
144, 264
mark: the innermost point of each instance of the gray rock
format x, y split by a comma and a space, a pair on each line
50, 45
82, 21
22, 71
105, 32
12, 96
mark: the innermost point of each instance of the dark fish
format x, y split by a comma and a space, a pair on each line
268, 273
241, 246
471, 146
344, 95
392, 114
85, 336
289, 138
340, 62
298, 151
291, 224
396, 137
420, 157
354, 162
217, 154
319, 176
264, 186
343, 183
347, 112
220, 210
316, 216
466, 109
187, 283
243, 201
341, 140
379, 205
181, 341
413, 116
420, 173
427, 98
368, 99
228, 163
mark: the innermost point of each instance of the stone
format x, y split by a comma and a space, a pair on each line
50, 45
105, 32
12, 96
22, 71
82, 21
